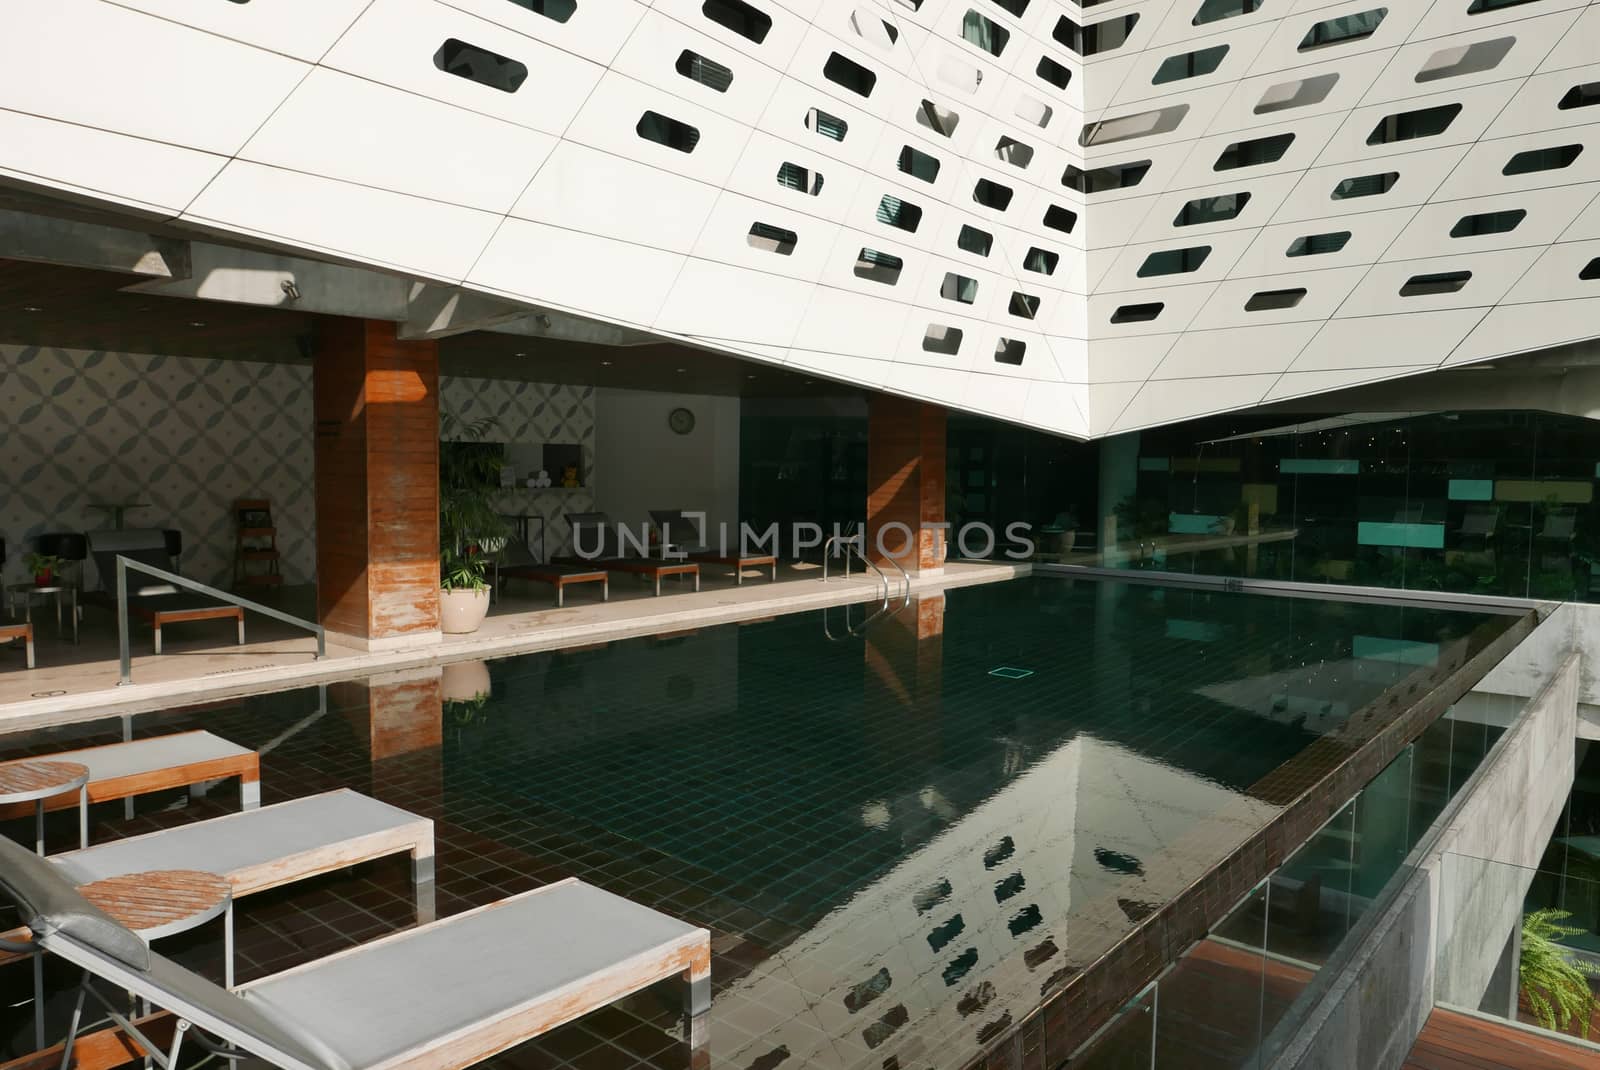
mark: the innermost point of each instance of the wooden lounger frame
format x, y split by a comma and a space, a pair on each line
555, 577
649, 566
159, 617
22, 631
740, 562
246, 766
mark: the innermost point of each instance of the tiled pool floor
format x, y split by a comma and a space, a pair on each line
898, 851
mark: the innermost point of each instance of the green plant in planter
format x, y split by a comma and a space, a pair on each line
470, 528
1554, 982
466, 712
42, 566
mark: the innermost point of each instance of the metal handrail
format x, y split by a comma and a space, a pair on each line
853, 543
125, 563
905, 576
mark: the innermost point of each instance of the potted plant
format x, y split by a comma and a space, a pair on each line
471, 531
43, 567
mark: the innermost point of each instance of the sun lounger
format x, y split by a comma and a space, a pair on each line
691, 546
594, 537
22, 631
441, 996
652, 568
268, 847
560, 577
159, 603
141, 766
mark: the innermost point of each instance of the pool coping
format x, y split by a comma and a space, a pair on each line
1092, 997
136, 698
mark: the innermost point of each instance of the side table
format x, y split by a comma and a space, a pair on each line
33, 781
25, 593
166, 902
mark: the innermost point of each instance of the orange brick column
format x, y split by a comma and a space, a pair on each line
905, 482
377, 456
401, 716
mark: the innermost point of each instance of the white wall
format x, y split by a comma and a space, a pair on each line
641, 464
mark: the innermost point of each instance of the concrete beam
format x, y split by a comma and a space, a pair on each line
564, 328
48, 240
247, 277
1571, 388
440, 311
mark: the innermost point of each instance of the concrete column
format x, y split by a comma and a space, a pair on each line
377, 458
905, 484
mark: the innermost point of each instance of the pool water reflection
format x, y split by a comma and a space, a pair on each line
926, 847
899, 851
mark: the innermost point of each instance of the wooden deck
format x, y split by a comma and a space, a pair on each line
1452, 1041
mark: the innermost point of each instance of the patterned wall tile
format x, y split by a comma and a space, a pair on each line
187, 436
183, 436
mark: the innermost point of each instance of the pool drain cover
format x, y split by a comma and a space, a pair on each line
1010, 673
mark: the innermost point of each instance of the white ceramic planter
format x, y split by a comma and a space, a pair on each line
463, 611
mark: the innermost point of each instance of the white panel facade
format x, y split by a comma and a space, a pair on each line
1084, 220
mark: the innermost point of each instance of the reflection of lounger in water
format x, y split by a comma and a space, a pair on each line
597, 546
691, 545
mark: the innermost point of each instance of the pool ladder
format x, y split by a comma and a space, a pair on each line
852, 544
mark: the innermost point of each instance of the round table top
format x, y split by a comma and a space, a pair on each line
29, 780
162, 902
34, 588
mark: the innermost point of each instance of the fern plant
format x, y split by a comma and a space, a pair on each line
1554, 982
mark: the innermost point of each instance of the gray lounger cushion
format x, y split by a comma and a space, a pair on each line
117, 760
435, 981
235, 842
419, 989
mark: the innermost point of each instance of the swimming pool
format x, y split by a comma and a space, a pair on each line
901, 842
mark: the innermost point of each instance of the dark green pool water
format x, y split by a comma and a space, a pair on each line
901, 841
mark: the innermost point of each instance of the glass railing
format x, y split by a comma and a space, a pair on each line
1520, 945
1223, 1000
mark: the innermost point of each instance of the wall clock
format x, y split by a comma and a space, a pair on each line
681, 421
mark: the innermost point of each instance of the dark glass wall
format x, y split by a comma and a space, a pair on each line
1473, 502
802, 461
1496, 503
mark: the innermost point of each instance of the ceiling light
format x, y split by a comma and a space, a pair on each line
605, 364
749, 377
521, 354
681, 369
197, 323
32, 308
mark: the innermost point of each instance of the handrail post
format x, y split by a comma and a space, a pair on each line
122, 622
